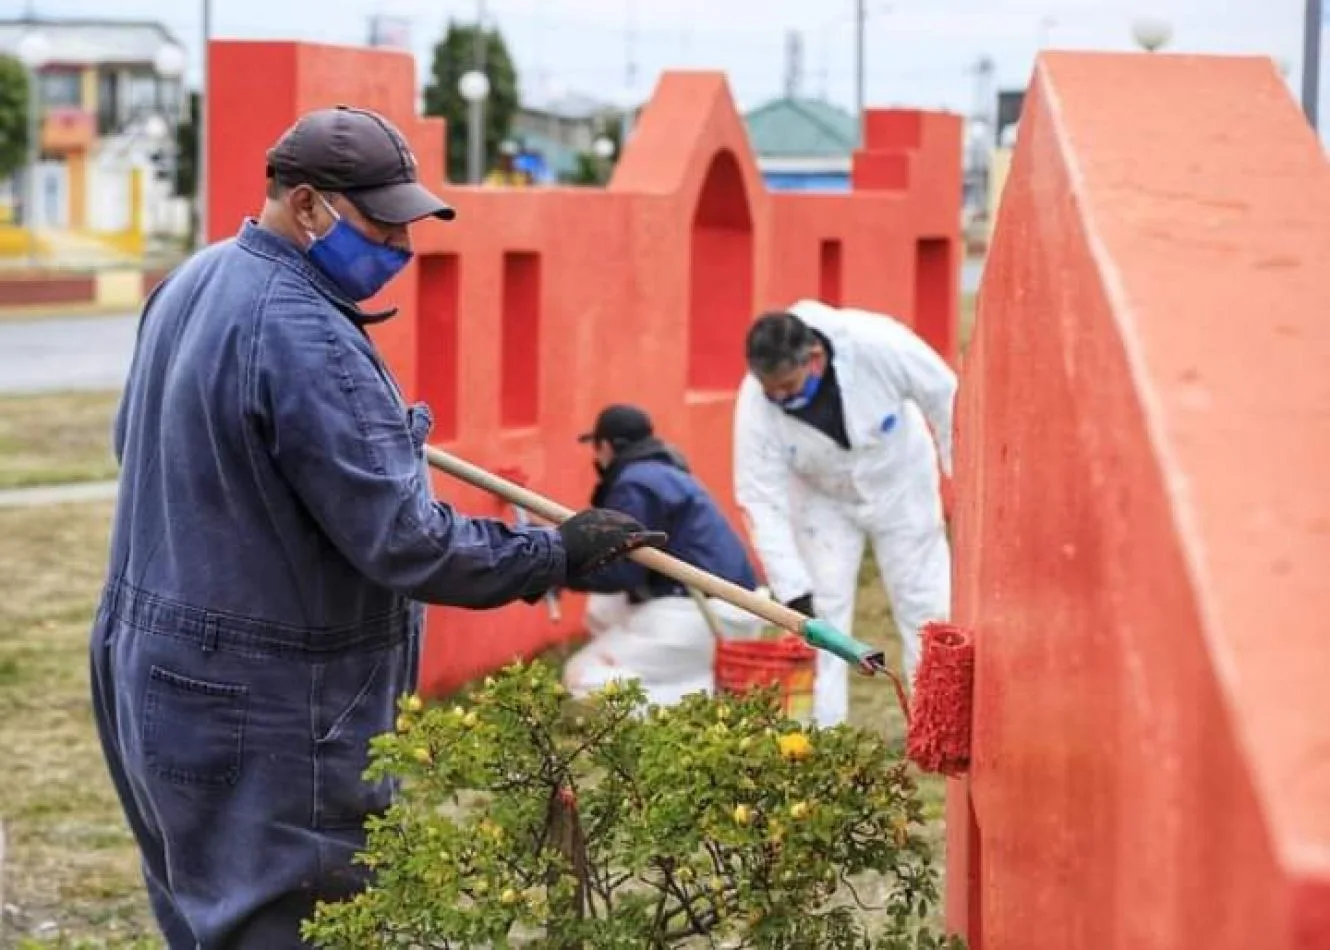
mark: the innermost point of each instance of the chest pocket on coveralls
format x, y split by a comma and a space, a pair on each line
419, 422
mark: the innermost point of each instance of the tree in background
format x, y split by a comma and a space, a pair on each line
454, 55
187, 162
13, 116
593, 170
187, 151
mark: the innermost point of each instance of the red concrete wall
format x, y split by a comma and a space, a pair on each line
536, 307
1143, 523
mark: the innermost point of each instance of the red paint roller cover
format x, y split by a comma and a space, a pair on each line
939, 739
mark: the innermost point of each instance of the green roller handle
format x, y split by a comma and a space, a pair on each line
824, 636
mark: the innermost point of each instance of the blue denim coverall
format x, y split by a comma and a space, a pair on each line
273, 537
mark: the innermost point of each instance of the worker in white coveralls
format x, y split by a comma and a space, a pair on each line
832, 448
644, 625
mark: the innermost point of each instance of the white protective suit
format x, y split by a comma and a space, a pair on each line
810, 505
665, 643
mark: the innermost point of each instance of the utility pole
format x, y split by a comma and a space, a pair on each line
201, 160
1311, 61
630, 48
794, 64
859, 16
629, 76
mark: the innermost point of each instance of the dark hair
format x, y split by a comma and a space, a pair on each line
777, 341
277, 189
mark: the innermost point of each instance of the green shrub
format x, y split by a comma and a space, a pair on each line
526, 820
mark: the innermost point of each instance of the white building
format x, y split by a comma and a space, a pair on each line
110, 97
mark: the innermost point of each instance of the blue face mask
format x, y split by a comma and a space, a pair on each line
801, 399
358, 266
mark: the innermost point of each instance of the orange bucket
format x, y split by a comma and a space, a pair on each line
786, 662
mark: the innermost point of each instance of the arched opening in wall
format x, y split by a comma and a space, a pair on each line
436, 341
720, 295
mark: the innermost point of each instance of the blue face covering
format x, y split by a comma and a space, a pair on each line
358, 266
801, 399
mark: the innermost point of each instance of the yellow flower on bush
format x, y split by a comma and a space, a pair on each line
795, 746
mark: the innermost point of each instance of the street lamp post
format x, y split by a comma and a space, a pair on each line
603, 149
1311, 60
474, 87
33, 52
170, 65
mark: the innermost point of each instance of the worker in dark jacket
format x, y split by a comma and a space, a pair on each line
644, 625
274, 537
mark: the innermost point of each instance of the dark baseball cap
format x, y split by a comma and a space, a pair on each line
359, 154
619, 424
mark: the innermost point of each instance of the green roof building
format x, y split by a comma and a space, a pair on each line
803, 144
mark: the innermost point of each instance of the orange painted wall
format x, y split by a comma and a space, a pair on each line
1143, 524
538, 306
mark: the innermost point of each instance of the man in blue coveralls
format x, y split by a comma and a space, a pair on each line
274, 537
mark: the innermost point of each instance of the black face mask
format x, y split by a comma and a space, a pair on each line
599, 466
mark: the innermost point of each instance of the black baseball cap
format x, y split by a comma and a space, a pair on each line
619, 424
359, 154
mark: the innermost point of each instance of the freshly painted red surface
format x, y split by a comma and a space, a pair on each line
1143, 522
538, 306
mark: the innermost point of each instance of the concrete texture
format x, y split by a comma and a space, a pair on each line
1142, 522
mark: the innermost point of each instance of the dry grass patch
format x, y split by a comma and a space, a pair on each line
54, 439
72, 875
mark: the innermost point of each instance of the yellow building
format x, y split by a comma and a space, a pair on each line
110, 96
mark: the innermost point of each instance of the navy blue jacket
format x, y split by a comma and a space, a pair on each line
272, 475
650, 481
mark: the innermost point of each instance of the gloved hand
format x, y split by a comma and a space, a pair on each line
597, 536
803, 604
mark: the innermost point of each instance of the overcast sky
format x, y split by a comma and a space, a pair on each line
919, 52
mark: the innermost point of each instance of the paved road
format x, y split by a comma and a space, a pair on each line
94, 352
66, 353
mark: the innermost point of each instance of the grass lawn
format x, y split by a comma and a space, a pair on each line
70, 867
52, 439
69, 863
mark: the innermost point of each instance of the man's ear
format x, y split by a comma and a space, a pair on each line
304, 207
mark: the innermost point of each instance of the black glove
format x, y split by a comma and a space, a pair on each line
803, 604
540, 595
593, 538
